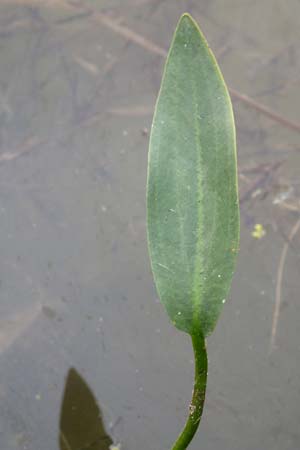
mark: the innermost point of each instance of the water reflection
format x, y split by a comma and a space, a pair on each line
81, 425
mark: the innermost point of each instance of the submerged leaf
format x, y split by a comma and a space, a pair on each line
81, 424
192, 200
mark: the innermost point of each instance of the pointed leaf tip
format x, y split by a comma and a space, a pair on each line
186, 17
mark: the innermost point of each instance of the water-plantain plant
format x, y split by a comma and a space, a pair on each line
192, 199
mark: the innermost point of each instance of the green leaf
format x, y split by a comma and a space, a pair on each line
192, 200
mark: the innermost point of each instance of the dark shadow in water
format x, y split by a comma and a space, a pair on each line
81, 425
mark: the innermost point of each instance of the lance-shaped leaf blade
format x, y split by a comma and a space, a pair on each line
192, 200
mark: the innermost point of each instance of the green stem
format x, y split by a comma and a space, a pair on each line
197, 403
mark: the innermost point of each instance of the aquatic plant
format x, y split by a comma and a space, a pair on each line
192, 199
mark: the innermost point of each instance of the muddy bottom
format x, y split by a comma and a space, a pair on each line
88, 356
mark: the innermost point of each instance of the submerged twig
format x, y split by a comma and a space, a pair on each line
147, 44
264, 110
132, 36
261, 180
26, 146
122, 30
282, 259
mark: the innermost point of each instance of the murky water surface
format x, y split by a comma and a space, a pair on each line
88, 356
